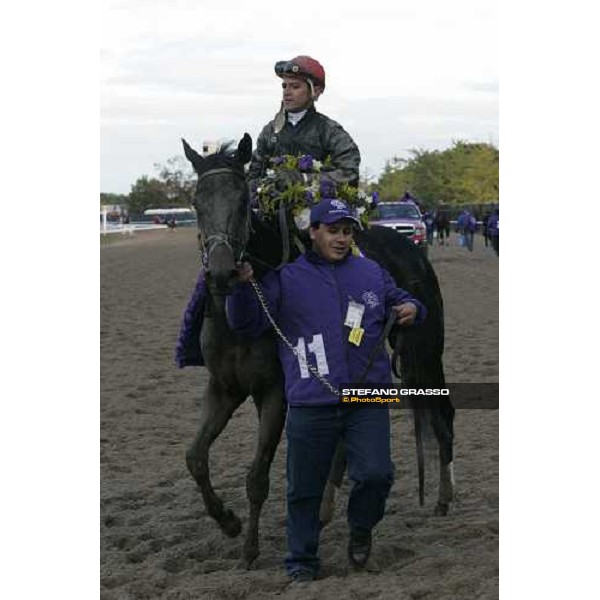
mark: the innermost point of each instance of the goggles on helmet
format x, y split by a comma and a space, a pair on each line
287, 67
304, 67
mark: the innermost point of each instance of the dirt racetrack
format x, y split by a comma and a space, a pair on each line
156, 538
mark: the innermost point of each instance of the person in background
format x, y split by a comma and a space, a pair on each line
484, 229
470, 229
331, 307
408, 197
493, 229
442, 226
460, 227
429, 220
466, 225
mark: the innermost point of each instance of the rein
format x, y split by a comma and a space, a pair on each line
285, 235
381, 340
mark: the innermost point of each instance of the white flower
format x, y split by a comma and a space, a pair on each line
317, 164
270, 173
302, 219
360, 210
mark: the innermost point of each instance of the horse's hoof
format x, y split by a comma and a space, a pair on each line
247, 562
441, 509
231, 524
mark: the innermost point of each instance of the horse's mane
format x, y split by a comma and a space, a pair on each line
223, 156
226, 147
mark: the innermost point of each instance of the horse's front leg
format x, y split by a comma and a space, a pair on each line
217, 406
271, 413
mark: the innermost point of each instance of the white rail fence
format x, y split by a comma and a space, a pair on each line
107, 228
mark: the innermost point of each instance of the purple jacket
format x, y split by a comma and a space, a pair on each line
492, 226
466, 222
309, 300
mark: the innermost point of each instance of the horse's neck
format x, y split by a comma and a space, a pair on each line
267, 246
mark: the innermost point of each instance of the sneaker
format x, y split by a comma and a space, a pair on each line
359, 547
302, 577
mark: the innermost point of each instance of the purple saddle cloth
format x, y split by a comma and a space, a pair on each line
188, 352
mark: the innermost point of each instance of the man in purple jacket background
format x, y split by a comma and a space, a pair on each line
332, 307
493, 227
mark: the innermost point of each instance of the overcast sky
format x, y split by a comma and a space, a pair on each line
400, 75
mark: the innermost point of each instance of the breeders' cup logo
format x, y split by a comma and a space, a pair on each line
370, 299
338, 204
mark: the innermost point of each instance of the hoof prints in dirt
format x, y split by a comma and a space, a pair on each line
156, 538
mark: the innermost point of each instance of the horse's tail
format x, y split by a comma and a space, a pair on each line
408, 351
420, 455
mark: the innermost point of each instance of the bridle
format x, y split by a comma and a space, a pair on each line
220, 238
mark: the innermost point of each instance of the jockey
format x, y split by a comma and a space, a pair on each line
299, 129
296, 129
320, 301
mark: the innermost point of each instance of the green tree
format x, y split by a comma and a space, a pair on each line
179, 181
174, 187
147, 193
464, 173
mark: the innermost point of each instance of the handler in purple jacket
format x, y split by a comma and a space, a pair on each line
317, 301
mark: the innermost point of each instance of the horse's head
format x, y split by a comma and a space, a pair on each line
223, 210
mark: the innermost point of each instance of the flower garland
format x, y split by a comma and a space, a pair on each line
297, 181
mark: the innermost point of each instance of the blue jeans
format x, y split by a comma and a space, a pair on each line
312, 436
469, 240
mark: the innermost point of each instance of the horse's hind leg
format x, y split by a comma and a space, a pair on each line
443, 426
336, 476
446, 491
271, 414
216, 409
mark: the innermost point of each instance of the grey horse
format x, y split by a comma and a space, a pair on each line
239, 367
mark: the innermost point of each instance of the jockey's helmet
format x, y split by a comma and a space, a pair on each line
303, 67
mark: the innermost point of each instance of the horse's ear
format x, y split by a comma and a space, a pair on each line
192, 155
244, 150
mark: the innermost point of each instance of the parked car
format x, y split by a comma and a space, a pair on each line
405, 218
